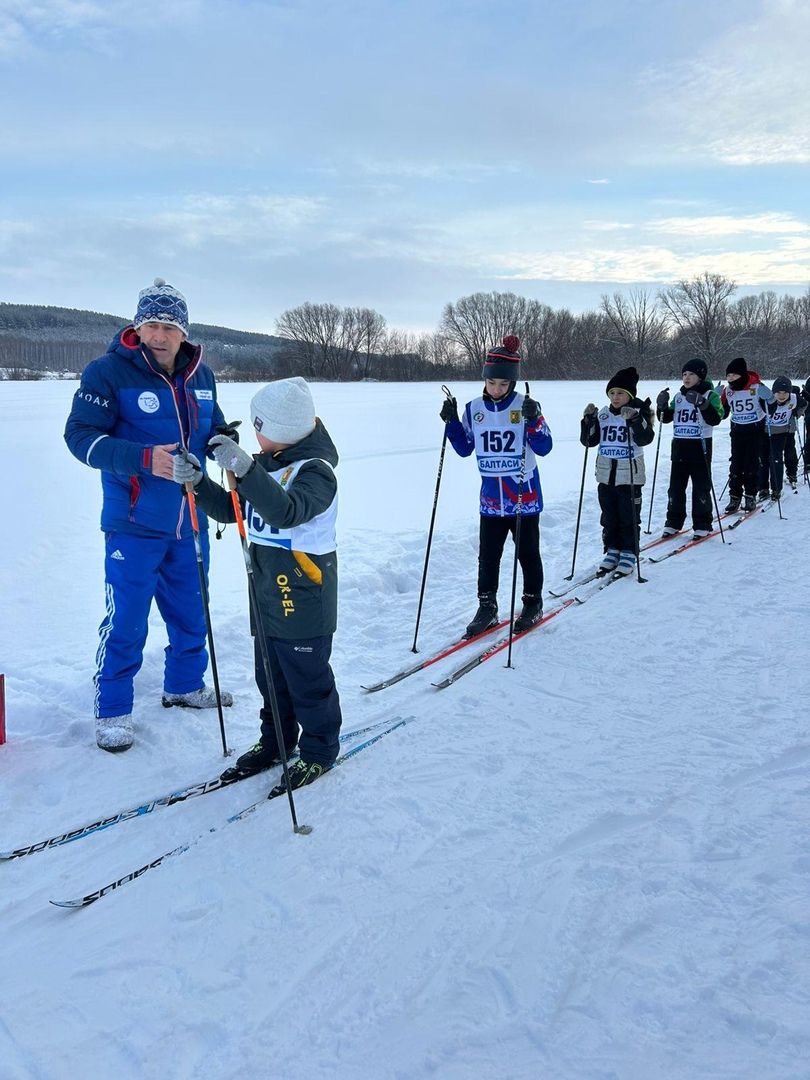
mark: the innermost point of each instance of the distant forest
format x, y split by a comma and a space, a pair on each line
656, 332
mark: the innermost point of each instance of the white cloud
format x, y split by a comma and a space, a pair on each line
655, 264
745, 99
25, 24
726, 225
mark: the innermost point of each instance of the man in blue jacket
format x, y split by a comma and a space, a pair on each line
148, 395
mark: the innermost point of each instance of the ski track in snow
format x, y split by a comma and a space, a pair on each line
593, 866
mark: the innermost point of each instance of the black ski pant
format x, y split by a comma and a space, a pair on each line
746, 445
697, 470
620, 520
791, 457
306, 694
492, 536
782, 456
765, 476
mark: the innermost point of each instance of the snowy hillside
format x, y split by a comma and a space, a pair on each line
592, 867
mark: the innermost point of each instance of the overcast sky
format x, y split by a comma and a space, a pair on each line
399, 154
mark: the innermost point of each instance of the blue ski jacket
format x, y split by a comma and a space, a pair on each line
125, 405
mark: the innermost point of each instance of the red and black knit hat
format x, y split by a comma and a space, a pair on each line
503, 361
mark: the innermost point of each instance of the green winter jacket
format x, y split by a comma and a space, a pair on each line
297, 590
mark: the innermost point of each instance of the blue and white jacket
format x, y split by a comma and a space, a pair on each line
125, 405
495, 431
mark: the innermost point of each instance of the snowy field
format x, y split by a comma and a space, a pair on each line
593, 866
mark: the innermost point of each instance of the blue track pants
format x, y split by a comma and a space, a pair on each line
137, 570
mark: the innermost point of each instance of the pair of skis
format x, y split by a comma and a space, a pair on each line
739, 518
171, 798
97, 894
479, 658
607, 575
503, 642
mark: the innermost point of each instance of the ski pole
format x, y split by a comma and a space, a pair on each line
570, 577
430, 530
195, 529
634, 516
518, 514
802, 451
655, 474
259, 628
711, 485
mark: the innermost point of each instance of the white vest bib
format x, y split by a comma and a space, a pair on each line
499, 439
745, 405
315, 537
782, 414
613, 436
688, 422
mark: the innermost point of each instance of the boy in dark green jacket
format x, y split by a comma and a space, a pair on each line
288, 494
694, 411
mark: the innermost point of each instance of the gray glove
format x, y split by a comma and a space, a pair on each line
228, 455
186, 469
764, 392
590, 410
662, 401
628, 413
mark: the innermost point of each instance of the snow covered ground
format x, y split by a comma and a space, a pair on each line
595, 865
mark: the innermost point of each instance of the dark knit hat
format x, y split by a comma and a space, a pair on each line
737, 366
697, 367
503, 362
626, 379
782, 384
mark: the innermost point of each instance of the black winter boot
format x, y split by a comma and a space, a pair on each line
733, 504
255, 760
750, 503
532, 613
485, 617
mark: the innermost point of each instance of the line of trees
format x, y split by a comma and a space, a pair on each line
656, 332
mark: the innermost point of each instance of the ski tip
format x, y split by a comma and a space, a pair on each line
69, 904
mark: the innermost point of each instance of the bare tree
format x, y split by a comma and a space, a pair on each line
475, 323
372, 327
636, 325
328, 339
697, 310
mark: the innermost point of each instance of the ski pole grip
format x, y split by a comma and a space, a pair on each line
237, 509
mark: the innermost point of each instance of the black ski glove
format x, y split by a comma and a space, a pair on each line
449, 410
696, 398
229, 429
530, 409
662, 401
